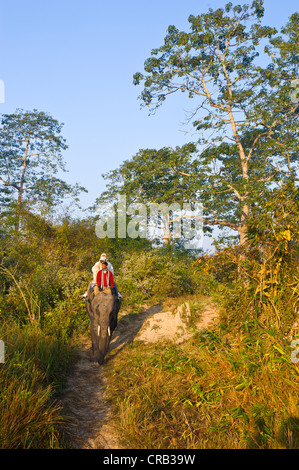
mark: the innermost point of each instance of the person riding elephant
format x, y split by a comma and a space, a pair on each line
95, 270
98, 265
102, 306
104, 279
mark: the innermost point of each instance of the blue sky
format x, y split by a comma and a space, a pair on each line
75, 59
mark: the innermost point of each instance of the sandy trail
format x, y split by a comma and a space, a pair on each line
91, 423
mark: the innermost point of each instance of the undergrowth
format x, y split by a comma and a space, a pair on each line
231, 387
217, 391
33, 374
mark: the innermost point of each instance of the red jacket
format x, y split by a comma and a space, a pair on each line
99, 278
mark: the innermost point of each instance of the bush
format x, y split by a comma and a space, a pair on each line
209, 393
34, 371
152, 275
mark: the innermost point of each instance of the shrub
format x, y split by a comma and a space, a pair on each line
34, 371
207, 393
149, 275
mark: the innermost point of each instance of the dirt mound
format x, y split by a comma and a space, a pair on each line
166, 326
174, 325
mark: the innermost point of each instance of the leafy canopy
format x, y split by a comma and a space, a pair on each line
31, 147
247, 123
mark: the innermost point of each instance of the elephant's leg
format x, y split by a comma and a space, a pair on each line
88, 309
113, 320
114, 315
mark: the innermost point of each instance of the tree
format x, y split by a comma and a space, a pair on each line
153, 178
248, 123
31, 148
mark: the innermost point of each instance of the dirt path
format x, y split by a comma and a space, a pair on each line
91, 424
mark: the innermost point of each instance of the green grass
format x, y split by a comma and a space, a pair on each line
213, 392
31, 378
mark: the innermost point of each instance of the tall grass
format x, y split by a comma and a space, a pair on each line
233, 387
213, 392
34, 371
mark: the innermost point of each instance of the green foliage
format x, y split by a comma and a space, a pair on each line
233, 386
147, 176
272, 263
31, 155
213, 392
152, 275
34, 371
155, 177
223, 389
264, 285
247, 122
41, 316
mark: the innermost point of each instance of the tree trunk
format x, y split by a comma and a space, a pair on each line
21, 189
243, 225
18, 213
243, 237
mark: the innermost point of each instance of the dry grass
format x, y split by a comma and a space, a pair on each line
207, 393
33, 372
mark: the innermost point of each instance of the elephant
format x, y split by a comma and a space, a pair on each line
102, 311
